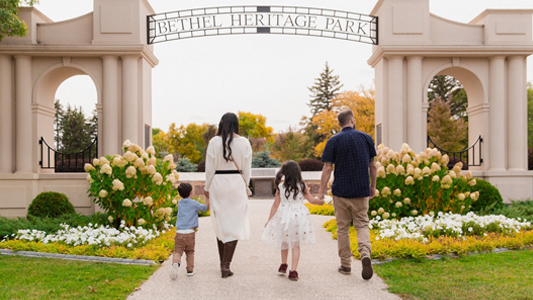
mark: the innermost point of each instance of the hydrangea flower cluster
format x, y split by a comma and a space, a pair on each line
136, 187
410, 184
446, 224
93, 235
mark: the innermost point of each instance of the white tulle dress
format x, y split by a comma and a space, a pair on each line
291, 225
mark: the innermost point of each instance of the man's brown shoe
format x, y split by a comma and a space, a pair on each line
345, 270
367, 267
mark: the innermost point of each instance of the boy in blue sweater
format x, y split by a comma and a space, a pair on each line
186, 227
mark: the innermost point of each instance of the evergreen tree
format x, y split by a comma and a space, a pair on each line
447, 87
58, 123
76, 131
326, 87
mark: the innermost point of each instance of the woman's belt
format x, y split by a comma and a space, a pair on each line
227, 172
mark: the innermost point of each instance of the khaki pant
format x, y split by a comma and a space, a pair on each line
346, 211
184, 243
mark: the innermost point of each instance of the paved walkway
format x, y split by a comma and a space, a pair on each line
255, 266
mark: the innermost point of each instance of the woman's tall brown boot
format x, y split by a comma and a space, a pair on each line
229, 250
220, 252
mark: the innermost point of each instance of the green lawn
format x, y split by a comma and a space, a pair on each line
507, 275
44, 278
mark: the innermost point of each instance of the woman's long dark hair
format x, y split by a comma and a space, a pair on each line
229, 125
293, 178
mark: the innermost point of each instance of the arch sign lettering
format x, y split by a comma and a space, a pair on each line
317, 22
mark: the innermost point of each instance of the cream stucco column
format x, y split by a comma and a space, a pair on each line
23, 115
517, 115
111, 120
130, 99
415, 91
497, 124
6, 115
395, 97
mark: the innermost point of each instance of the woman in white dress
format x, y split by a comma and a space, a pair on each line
227, 189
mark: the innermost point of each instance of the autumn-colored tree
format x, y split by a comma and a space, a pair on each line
327, 125
160, 142
188, 141
446, 132
289, 145
254, 126
362, 105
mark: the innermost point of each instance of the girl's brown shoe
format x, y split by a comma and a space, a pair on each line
282, 269
293, 275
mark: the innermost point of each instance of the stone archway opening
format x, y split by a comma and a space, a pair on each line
67, 134
76, 119
447, 120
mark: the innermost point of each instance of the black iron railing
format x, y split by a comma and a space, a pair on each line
470, 156
67, 162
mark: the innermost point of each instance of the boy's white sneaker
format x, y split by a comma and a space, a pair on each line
190, 273
174, 271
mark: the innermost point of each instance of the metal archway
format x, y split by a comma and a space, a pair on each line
291, 20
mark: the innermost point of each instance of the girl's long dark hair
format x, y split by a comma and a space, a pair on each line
293, 179
229, 125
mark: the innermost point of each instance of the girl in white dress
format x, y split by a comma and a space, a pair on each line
289, 224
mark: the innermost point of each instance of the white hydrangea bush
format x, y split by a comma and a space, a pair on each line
136, 187
412, 184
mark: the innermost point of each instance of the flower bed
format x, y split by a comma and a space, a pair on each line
444, 234
128, 242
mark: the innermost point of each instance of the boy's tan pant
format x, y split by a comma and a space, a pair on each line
184, 243
346, 211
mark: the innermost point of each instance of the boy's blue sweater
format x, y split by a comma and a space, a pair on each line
188, 213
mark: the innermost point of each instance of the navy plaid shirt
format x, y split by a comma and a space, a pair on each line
350, 151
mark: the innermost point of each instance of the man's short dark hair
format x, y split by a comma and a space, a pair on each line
345, 117
184, 189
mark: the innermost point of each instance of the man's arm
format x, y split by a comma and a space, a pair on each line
324, 179
373, 170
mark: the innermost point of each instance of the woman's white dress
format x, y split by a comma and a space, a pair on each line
227, 192
291, 225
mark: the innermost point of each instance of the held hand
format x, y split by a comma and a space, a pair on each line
321, 196
206, 193
372, 193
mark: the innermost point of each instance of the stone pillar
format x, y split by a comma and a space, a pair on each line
396, 105
415, 91
130, 100
497, 125
23, 115
517, 115
111, 120
6, 115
